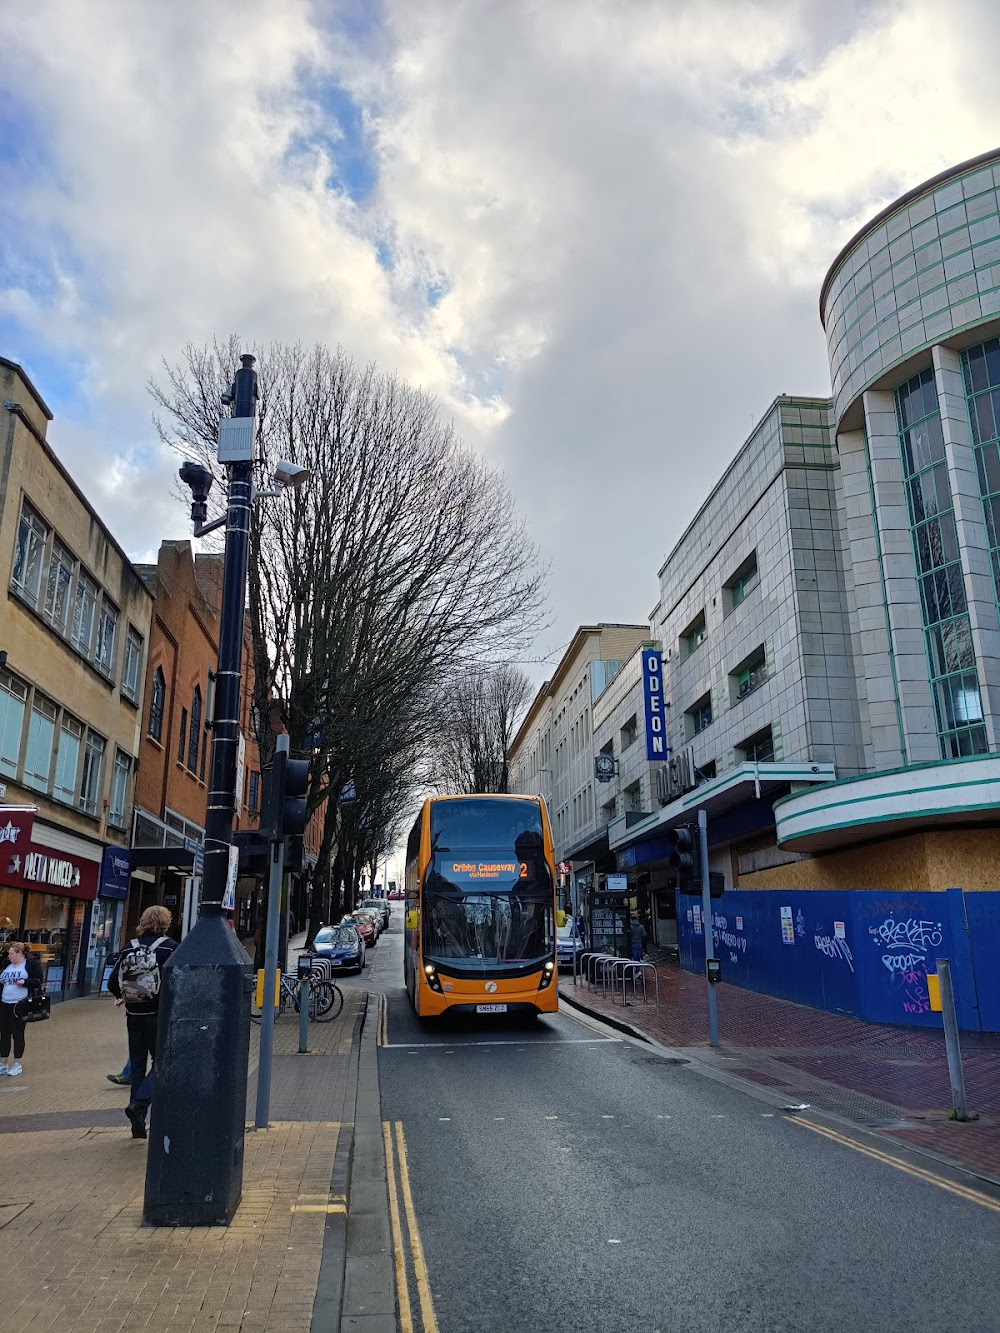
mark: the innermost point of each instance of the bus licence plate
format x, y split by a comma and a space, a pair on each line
491, 1008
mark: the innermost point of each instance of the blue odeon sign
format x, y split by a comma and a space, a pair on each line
656, 715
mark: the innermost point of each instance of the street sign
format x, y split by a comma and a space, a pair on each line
229, 897
241, 758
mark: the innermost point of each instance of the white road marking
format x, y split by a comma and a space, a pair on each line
444, 1118
767, 1115
607, 1117
499, 1117
551, 1117
614, 1242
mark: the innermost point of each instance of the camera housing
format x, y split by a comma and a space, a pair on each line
199, 480
289, 474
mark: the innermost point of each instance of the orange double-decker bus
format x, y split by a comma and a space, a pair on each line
480, 907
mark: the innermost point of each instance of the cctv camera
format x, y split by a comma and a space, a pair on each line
200, 481
289, 474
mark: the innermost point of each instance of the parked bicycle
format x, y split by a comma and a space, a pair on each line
326, 999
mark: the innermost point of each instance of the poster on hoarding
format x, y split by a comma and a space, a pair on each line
787, 926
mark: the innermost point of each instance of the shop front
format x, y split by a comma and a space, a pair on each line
48, 883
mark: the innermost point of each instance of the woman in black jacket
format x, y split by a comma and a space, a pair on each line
22, 974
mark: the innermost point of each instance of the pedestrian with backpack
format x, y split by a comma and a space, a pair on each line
135, 981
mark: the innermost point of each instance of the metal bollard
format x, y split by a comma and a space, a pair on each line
956, 1074
305, 972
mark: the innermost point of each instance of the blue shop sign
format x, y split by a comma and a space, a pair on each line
656, 719
116, 869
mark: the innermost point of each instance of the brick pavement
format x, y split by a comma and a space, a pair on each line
73, 1251
889, 1077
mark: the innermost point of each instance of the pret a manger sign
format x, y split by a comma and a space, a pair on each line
656, 717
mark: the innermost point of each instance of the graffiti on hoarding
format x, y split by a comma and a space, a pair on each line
906, 942
832, 946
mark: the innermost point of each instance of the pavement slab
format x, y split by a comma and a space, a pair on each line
73, 1249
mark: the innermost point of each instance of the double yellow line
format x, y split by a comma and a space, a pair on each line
416, 1255
963, 1191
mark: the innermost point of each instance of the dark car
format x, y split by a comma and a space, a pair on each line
342, 946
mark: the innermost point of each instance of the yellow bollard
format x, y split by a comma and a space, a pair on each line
260, 989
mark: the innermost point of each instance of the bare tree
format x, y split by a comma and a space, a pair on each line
482, 716
395, 571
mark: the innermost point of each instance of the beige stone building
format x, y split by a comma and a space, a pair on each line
74, 628
552, 754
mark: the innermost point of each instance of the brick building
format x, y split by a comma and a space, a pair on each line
175, 758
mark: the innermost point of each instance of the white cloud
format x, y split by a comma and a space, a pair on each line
596, 230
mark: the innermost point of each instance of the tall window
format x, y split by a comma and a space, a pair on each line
699, 715
29, 555
41, 735
758, 748
107, 627
745, 579
253, 791
13, 694
947, 632
84, 609
133, 665
119, 789
58, 588
67, 760
183, 736
981, 368
90, 785
195, 735
157, 699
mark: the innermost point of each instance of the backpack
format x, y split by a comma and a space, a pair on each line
139, 972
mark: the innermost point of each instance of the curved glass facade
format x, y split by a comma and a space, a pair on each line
928, 270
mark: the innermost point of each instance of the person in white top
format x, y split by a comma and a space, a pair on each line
22, 971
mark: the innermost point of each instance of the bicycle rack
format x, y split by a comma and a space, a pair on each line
322, 969
597, 962
627, 970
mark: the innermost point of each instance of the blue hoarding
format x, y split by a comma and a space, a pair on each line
856, 951
656, 716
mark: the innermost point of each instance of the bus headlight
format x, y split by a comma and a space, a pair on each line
548, 972
431, 976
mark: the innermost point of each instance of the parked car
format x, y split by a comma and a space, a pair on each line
379, 905
342, 945
365, 927
568, 943
375, 916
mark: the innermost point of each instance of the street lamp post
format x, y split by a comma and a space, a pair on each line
194, 1171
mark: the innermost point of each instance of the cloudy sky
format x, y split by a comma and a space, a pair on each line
596, 229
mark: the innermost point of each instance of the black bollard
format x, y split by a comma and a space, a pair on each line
194, 1172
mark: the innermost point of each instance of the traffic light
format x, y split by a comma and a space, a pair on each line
293, 818
681, 857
